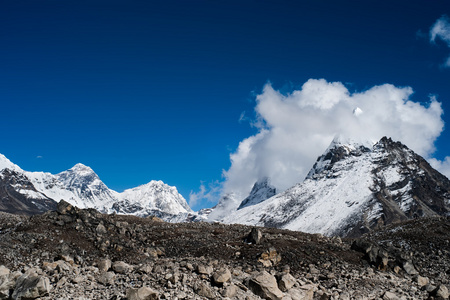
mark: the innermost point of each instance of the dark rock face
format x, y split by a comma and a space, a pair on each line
421, 191
425, 191
29, 202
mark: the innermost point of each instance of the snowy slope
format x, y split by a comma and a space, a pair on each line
354, 187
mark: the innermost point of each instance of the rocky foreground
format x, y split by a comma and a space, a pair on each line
82, 254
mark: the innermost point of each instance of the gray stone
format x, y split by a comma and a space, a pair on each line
299, 294
202, 269
31, 286
147, 269
204, 290
78, 279
265, 285
422, 281
121, 267
106, 278
286, 282
64, 207
6, 284
4, 271
230, 291
62, 266
409, 268
221, 276
104, 265
390, 296
307, 291
143, 293
101, 229
441, 292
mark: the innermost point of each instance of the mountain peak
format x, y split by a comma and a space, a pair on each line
261, 191
342, 140
81, 169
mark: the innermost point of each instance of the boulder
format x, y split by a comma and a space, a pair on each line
202, 269
254, 236
409, 268
422, 281
286, 282
441, 292
230, 291
301, 294
4, 271
104, 265
31, 286
107, 278
101, 229
146, 269
390, 296
204, 290
265, 285
64, 207
6, 284
270, 257
121, 267
143, 293
221, 276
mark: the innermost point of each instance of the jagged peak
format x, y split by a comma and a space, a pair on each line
343, 146
261, 191
389, 144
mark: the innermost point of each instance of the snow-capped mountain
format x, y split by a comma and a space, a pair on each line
79, 186
35, 192
352, 188
262, 190
154, 198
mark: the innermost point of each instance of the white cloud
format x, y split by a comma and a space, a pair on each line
295, 129
441, 30
210, 194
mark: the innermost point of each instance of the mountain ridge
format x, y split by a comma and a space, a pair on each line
353, 189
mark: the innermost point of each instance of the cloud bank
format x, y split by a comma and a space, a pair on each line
294, 129
441, 30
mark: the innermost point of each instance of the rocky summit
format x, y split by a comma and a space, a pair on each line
73, 253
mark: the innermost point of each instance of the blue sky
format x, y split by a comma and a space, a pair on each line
142, 90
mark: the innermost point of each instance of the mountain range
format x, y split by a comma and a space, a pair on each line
352, 188
35, 192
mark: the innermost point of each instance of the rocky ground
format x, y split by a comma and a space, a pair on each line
82, 254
